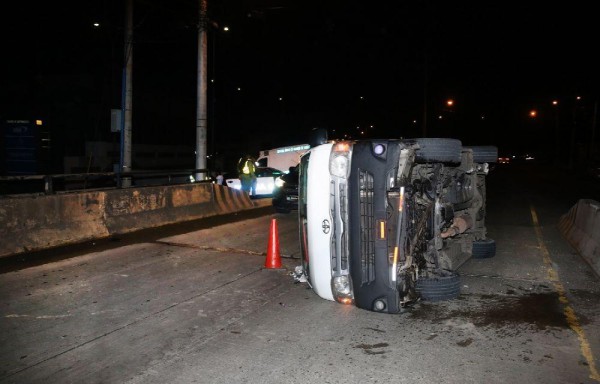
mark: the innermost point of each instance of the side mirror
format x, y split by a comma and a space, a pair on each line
317, 137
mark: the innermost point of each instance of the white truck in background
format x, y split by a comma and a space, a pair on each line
282, 158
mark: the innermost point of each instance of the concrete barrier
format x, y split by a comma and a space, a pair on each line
29, 223
581, 227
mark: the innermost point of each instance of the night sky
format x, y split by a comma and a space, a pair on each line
341, 65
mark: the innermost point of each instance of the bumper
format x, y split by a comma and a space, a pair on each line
372, 229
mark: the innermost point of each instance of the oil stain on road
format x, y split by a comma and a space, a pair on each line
541, 311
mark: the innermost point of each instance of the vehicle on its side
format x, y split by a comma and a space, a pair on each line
285, 195
384, 223
265, 181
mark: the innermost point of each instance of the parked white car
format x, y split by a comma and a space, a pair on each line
265, 181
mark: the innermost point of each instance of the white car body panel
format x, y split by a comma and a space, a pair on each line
318, 211
264, 185
234, 183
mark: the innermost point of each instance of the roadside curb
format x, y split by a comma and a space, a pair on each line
33, 223
581, 227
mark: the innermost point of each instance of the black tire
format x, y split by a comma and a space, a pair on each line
439, 288
282, 210
485, 154
484, 249
438, 150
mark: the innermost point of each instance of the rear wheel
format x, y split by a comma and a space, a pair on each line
438, 150
439, 288
485, 154
484, 249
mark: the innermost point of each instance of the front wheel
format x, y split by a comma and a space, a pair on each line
439, 288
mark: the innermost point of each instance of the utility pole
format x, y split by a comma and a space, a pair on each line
201, 92
127, 96
572, 151
557, 159
593, 135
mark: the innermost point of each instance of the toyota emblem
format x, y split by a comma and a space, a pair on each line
326, 227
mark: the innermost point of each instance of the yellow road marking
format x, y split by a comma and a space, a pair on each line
572, 319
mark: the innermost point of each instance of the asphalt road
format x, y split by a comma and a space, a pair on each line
194, 304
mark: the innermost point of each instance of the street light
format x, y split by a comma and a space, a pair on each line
447, 113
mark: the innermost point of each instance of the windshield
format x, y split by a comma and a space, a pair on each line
302, 170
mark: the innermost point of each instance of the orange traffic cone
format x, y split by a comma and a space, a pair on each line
273, 257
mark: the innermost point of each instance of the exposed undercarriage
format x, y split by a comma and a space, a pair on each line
436, 212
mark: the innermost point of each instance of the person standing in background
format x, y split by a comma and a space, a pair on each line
247, 174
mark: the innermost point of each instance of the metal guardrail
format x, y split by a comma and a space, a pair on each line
51, 184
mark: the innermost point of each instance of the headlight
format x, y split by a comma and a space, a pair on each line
339, 160
279, 182
338, 166
342, 289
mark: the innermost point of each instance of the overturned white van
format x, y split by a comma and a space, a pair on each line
386, 222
